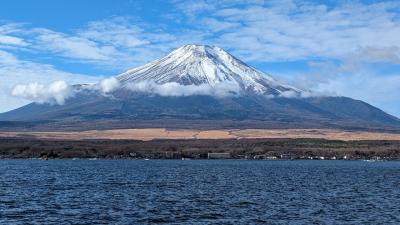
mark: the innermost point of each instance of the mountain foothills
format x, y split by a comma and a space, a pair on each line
198, 87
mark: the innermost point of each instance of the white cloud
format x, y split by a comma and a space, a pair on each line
59, 91
175, 89
55, 93
109, 85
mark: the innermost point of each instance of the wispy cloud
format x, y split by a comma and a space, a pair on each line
119, 31
352, 78
11, 40
117, 42
293, 30
8, 38
71, 46
254, 30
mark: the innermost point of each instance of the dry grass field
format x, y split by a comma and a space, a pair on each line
161, 133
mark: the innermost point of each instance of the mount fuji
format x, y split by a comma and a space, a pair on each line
205, 65
202, 87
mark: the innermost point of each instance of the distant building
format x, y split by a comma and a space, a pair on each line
268, 157
219, 155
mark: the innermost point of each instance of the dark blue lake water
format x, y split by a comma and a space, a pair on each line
199, 192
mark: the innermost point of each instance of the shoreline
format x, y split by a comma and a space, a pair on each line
250, 149
232, 159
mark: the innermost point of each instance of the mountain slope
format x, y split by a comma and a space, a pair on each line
260, 101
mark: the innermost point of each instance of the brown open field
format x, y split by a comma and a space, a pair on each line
161, 133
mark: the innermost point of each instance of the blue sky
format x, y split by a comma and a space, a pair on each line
349, 48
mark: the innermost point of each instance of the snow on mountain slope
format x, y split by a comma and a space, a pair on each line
203, 65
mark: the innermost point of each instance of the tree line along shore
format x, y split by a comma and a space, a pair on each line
270, 149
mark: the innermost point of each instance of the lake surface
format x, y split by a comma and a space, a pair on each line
199, 192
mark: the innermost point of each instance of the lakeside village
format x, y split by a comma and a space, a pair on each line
249, 149
224, 156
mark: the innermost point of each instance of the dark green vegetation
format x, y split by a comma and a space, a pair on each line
199, 149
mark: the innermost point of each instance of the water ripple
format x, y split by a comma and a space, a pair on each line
199, 192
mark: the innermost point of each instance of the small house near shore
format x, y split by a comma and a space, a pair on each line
219, 155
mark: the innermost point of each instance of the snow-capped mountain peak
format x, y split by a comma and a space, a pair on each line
205, 65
